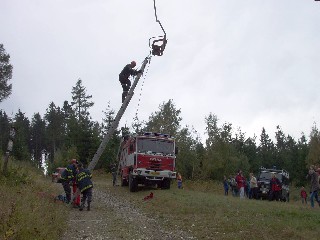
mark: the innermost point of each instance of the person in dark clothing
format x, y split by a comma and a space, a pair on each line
126, 72
225, 185
85, 186
67, 177
113, 168
275, 188
314, 185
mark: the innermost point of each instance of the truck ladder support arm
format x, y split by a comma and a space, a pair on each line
117, 119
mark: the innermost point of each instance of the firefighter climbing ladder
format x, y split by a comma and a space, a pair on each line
117, 119
125, 103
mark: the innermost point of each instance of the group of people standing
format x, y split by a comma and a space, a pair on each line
240, 186
76, 174
249, 188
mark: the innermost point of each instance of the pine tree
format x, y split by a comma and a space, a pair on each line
55, 130
4, 130
5, 74
80, 101
37, 141
265, 150
313, 157
21, 145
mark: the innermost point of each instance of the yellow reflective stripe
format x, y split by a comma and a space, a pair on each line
83, 175
87, 187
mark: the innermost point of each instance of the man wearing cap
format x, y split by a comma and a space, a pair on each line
67, 176
126, 72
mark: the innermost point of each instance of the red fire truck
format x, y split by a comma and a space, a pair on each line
147, 159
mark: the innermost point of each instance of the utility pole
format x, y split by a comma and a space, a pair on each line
117, 119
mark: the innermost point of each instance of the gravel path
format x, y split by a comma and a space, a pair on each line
113, 217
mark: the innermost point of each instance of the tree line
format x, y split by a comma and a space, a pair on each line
68, 131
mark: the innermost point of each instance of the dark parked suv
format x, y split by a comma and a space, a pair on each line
263, 179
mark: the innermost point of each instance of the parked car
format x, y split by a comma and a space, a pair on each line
56, 176
264, 183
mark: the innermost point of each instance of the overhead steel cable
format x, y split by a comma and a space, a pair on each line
155, 13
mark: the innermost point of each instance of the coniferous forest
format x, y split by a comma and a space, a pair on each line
68, 131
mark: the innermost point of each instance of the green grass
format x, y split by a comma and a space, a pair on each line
202, 209
28, 210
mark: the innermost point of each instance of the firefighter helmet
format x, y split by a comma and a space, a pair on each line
133, 64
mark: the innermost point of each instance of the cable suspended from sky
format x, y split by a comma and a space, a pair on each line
158, 43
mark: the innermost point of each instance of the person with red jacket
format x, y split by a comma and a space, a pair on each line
303, 195
75, 193
275, 188
241, 182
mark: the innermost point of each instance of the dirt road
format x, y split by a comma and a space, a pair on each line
112, 216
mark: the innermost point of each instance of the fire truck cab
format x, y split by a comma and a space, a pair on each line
147, 159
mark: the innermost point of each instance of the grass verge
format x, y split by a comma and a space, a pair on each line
27, 207
202, 210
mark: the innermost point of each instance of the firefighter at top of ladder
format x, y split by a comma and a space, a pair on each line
126, 72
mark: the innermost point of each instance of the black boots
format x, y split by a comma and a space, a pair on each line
82, 207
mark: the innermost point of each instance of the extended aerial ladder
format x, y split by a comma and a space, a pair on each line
157, 47
117, 119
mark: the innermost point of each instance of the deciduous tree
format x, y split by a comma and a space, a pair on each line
166, 120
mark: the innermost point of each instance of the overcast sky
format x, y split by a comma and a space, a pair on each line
253, 63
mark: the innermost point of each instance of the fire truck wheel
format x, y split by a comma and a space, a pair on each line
133, 186
166, 184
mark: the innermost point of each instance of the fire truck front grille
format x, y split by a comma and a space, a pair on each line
154, 166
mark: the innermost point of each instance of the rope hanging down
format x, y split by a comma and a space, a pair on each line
144, 77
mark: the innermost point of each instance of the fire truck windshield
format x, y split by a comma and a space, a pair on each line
155, 146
